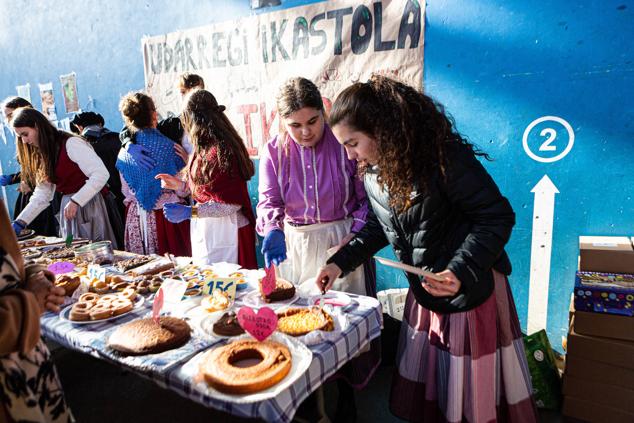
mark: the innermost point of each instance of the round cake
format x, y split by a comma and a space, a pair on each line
144, 336
228, 325
284, 290
219, 369
300, 321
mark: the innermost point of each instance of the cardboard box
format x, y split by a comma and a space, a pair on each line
595, 413
604, 293
611, 254
596, 371
605, 350
604, 325
604, 394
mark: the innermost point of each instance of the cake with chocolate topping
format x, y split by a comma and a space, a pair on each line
284, 290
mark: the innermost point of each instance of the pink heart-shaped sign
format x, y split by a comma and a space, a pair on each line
269, 281
260, 325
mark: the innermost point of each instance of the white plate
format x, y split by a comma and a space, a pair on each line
65, 314
301, 358
205, 324
333, 298
199, 312
254, 300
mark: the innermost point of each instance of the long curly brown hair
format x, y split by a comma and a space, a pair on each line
410, 129
210, 131
38, 163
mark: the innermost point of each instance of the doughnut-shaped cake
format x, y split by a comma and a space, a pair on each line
219, 369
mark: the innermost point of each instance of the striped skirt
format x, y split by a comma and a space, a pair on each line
467, 366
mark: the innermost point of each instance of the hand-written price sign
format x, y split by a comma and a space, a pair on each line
228, 285
96, 272
157, 305
61, 267
269, 281
260, 325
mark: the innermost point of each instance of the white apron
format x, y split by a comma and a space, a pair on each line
307, 251
214, 239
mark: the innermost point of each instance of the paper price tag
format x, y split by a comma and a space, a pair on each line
96, 272
61, 267
157, 305
259, 325
173, 291
228, 285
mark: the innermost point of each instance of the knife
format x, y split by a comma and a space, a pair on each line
409, 269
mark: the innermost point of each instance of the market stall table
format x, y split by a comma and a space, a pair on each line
364, 324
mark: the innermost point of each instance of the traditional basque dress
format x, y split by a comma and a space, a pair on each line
146, 229
314, 195
80, 175
225, 227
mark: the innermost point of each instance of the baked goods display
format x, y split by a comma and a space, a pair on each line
35, 242
131, 263
218, 301
91, 306
153, 267
228, 325
145, 336
59, 253
69, 282
300, 321
220, 367
284, 290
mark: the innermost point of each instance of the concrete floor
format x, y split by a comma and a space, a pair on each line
99, 392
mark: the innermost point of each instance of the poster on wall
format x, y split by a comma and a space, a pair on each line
244, 62
24, 91
48, 101
69, 92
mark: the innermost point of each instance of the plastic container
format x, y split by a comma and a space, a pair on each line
98, 253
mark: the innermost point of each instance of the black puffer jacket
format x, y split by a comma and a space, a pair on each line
461, 224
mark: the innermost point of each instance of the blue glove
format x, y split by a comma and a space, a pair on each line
5, 180
177, 213
141, 155
17, 227
274, 248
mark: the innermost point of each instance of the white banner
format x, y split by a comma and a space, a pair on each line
244, 62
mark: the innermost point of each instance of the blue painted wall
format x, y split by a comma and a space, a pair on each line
496, 65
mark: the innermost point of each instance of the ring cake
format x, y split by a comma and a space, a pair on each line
300, 321
284, 290
144, 336
220, 371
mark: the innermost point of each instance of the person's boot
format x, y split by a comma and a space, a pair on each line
346, 406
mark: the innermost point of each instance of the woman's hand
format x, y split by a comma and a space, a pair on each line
170, 181
326, 277
55, 298
182, 153
39, 285
70, 211
448, 287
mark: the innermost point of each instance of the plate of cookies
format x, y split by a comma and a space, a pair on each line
95, 308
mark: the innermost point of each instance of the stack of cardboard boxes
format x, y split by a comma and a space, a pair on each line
599, 376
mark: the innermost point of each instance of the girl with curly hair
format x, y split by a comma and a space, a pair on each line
222, 221
460, 355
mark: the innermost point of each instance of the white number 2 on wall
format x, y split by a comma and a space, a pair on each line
551, 134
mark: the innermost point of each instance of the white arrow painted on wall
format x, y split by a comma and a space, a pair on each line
541, 249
